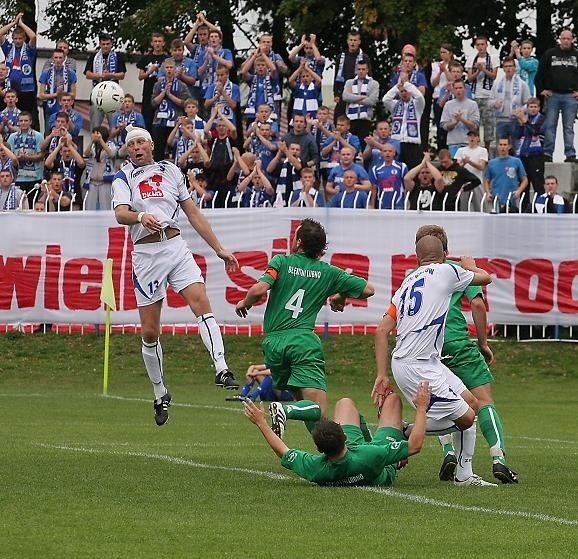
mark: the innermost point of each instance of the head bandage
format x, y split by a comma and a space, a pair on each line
136, 132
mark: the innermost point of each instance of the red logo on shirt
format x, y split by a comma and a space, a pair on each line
151, 187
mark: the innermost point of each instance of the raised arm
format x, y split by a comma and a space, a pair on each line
256, 415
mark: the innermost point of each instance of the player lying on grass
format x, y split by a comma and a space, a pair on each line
418, 311
347, 457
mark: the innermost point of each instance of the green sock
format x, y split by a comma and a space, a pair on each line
493, 431
367, 436
303, 410
447, 444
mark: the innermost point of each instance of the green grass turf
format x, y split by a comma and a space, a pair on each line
87, 476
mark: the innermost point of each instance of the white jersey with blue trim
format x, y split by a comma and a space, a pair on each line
421, 305
155, 189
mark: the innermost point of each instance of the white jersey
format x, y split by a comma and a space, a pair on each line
421, 305
155, 189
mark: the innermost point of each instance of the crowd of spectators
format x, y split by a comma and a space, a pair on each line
492, 133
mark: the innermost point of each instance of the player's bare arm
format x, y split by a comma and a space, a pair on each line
200, 224
481, 277
382, 386
255, 293
126, 216
337, 301
256, 415
421, 402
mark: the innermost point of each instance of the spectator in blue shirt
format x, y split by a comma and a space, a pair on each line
505, 178
351, 196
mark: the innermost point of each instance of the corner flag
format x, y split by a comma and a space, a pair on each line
107, 289
109, 300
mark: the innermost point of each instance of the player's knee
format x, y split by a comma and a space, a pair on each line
467, 420
150, 333
345, 404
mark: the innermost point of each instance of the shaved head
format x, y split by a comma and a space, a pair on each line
429, 249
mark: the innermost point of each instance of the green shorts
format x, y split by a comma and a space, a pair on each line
466, 362
296, 360
383, 436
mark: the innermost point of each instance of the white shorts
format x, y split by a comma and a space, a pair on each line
446, 402
154, 265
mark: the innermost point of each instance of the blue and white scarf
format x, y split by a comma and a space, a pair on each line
199, 53
306, 100
167, 109
515, 98
100, 65
53, 144
69, 171
52, 84
26, 60
8, 164
11, 202
129, 118
341, 66
405, 112
210, 76
226, 109
27, 142
268, 88
182, 145
12, 116
487, 82
282, 183
356, 111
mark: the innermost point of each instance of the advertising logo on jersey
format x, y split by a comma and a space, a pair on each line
151, 187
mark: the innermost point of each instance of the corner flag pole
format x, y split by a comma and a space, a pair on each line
109, 300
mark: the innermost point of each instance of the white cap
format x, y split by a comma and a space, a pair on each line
136, 132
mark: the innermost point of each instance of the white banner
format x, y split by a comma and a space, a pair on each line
51, 264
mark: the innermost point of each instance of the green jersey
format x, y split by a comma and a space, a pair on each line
456, 324
364, 464
300, 286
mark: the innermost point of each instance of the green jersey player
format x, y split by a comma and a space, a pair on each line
299, 284
346, 459
469, 361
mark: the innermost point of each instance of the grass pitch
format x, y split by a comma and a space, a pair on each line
87, 476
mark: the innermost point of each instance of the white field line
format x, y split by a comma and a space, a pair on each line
387, 492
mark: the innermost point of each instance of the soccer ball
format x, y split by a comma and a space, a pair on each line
107, 97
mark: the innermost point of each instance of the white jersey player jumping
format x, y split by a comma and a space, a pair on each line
147, 196
418, 310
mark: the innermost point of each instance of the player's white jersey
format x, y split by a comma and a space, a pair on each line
154, 189
421, 305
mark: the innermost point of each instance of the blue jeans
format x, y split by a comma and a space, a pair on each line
507, 129
566, 104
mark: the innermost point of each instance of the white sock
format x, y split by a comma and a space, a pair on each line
152, 354
465, 443
211, 336
445, 439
